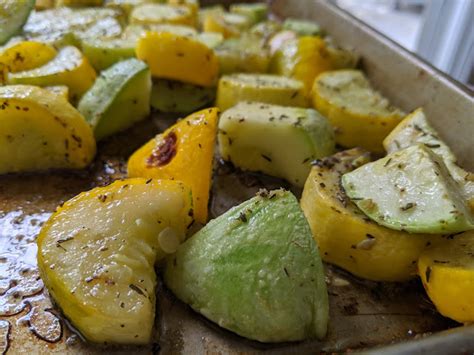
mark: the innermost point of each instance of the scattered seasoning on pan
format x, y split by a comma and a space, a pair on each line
387, 162
286, 272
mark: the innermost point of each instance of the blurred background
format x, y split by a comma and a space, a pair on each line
439, 31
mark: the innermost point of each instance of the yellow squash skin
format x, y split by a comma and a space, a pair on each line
355, 127
229, 25
191, 160
70, 68
302, 58
175, 57
447, 272
272, 89
40, 130
27, 55
346, 237
192, 5
97, 253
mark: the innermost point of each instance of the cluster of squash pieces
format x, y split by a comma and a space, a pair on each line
43, 130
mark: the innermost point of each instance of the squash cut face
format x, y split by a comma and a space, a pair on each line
97, 254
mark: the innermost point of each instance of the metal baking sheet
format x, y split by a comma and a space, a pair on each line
363, 314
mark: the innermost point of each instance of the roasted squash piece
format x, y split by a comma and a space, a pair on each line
97, 254
414, 129
277, 140
346, 237
83, 23
175, 57
26, 55
256, 271
265, 88
119, 98
192, 5
230, 25
410, 190
40, 130
447, 272
256, 12
362, 117
183, 152
245, 54
13, 15
178, 97
70, 67
161, 13
302, 58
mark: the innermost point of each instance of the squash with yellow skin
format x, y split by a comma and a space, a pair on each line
97, 253
302, 58
230, 25
362, 116
70, 68
175, 57
40, 130
447, 272
183, 152
26, 55
346, 237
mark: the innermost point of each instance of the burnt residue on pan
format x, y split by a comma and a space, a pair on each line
363, 314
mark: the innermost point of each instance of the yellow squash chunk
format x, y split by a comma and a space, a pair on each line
346, 237
204, 11
97, 253
302, 58
40, 130
192, 5
147, 14
70, 68
362, 117
175, 57
272, 89
230, 25
447, 272
183, 152
245, 54
26, 55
